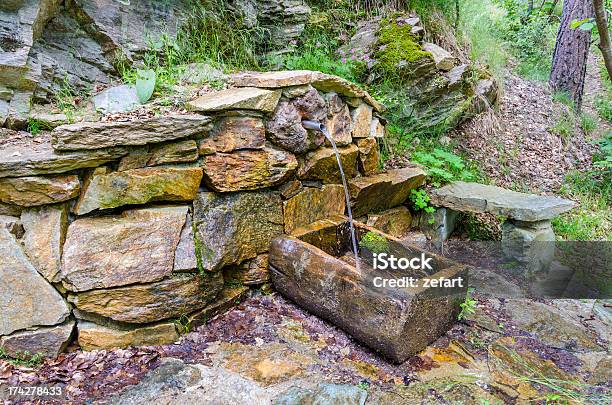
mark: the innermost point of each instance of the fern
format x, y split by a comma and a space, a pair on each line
443, 166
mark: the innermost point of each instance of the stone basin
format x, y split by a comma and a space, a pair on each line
312, 268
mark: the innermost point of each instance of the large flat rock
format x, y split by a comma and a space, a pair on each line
248, 169
313, 204
28, 156
95, 337
38, 190
137, 246
48, 341
283, 78
321, 164
96, 135
233, 227
242, 98
474, 197
26, 298
104, 189
235, 133
326, 82
384, 190
145, 303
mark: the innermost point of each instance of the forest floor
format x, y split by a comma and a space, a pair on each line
267, 350
532, 142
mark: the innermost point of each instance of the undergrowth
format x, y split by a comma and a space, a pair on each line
318, 52
603, 101
22, 359
499, 29
592, 218
211, 34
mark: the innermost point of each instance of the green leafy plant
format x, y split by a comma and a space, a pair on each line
529, 35
22, 359
564, 126
364, 385
374, 242
468, 306
420, 201
590, 220
145, 84
183, 324
35, 126
605, 161
443, 166
586, 24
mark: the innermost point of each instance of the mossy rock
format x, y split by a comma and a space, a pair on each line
399, 53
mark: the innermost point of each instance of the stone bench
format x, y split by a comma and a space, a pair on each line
528, 215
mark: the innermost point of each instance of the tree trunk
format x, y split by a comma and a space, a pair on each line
604, 34
571, 51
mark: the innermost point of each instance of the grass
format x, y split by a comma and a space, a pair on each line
563, 97
565, 126
557, 390
591, 220
318, 52
603, 105
498, 31
478, 27
35, 126
212, 35
588, 123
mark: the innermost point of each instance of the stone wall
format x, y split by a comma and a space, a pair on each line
126, 232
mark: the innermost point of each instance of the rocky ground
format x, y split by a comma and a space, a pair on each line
267, 350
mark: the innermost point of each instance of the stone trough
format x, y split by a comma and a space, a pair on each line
312, 268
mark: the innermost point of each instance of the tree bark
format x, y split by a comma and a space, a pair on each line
571, 51
604, 35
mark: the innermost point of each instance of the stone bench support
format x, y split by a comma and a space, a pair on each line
528, 216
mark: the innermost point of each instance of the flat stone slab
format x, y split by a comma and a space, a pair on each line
242, 98
283, 78
383, 190
325, 82
96, 135
474, 197
47, 341
95, 337
151, 302
24, 155
104, 189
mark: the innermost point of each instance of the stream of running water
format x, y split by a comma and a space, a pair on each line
320, 127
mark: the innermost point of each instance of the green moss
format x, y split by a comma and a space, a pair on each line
374, 242
396, 45
198, 248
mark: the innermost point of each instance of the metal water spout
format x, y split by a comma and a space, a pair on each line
317, 126
314, 125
